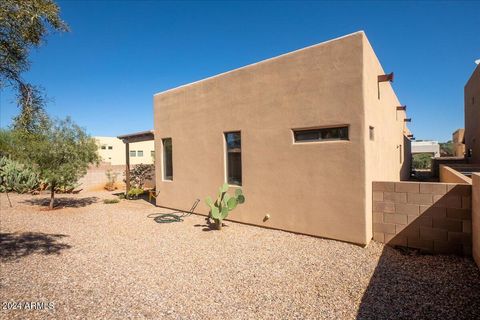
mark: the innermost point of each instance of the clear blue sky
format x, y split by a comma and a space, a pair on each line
118, 54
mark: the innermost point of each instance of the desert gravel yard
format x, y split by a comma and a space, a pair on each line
92, 260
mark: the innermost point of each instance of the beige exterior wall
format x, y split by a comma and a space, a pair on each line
472, 115
450, 175
116, 155
476, 217
388, 155
317, 188
458, 145
432, 217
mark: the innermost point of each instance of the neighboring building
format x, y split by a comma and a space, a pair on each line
472, 117
458, 143
304, 134
426, 146
112, 150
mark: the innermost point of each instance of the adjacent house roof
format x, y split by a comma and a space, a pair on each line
137, 136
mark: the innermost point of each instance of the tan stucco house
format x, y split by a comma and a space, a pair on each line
303, 134
112, 151
472, 117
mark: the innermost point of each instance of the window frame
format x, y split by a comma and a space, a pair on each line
164, 170
226, 167
133, 153
294, 131
138, 153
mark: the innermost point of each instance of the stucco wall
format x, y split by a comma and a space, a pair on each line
476, 217
432, 217
314, 188
388, 154
447, 174
458, 145
472, 116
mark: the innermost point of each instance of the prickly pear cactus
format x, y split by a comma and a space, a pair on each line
224, 203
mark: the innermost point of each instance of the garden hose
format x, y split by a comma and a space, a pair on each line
173, 216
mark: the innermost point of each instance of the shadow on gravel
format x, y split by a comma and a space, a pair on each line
414, 286
14, 246
63, 202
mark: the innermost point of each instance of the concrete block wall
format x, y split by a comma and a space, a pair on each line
431, 217
476, 217
96, 178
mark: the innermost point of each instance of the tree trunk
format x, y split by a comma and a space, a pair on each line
52, 199
218, 224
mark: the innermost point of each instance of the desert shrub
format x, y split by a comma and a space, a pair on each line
110, 201
111, 179
17, 177
422, 161
447, 149
133, 193
140, 174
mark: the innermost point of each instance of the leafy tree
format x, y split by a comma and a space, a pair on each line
24, 25
422, 161
61, 154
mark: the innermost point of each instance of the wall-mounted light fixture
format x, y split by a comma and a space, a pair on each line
385, 77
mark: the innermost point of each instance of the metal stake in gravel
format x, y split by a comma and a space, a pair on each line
174, 216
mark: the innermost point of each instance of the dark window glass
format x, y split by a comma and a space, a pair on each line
338, 133
167, 159
110, 147
234, 158
372, 133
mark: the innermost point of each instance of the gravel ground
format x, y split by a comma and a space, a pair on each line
110, 261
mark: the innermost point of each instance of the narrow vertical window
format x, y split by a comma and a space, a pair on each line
372, 133
167, 159
234, 158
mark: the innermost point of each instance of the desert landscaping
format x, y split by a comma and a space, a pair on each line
96, 260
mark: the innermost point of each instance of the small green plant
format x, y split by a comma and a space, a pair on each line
110, 201
224, 203
133, 193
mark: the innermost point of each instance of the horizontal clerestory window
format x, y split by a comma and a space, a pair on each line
321, 134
